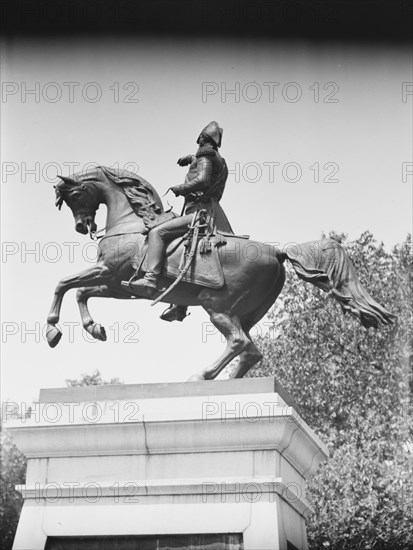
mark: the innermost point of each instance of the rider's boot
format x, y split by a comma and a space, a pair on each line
156, 253
175, 313
157, 239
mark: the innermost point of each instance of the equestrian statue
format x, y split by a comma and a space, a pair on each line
194, 259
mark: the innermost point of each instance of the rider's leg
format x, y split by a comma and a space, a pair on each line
158, 239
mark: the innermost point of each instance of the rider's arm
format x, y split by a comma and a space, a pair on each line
188, 159
201, 181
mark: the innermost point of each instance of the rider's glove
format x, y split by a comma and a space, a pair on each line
184, 161
178, 190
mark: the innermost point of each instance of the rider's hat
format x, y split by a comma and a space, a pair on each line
213, 131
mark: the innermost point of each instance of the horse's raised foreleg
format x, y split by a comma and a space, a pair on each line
103, 291
237, 342
98, 273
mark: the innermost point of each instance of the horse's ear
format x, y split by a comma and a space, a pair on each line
65, 180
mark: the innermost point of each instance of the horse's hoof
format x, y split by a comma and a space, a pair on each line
196, 378
53, 335
98, 332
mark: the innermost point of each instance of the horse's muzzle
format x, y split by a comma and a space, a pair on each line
83, 223
81, 228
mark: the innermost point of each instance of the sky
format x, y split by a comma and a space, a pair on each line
316, 138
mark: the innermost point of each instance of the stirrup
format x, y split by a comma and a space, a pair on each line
148, 281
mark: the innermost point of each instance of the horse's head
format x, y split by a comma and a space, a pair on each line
82, 199
84, 191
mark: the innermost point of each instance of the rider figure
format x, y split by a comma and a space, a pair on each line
203, 188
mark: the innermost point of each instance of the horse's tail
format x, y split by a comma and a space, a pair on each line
326, 265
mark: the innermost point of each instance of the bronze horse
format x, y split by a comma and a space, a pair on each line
251, 284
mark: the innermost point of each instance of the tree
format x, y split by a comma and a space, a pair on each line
354, 387
12, 472
94, 379
13, 469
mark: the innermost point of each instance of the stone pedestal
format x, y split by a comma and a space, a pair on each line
198, 458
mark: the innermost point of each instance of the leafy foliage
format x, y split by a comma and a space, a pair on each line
12, 472
353, 386
94, 379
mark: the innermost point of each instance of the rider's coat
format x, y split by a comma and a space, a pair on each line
204, 186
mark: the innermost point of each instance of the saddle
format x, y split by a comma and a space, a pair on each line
205, 268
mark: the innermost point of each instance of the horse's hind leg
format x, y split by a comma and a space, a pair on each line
237, 342
247, 359
252, 355
83, 294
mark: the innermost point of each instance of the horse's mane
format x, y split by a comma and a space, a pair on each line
139, 192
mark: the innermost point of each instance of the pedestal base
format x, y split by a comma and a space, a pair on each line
161, 460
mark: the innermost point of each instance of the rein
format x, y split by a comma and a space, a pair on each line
94, 234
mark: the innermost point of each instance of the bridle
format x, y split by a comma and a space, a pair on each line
87, 211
